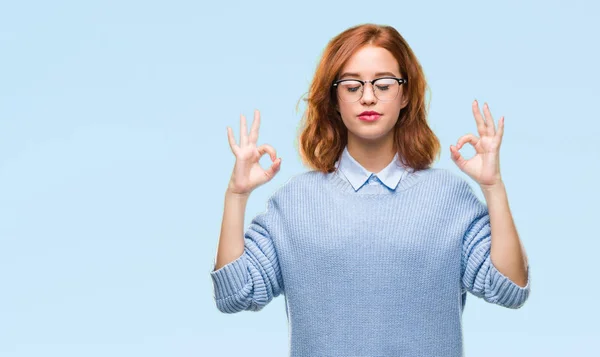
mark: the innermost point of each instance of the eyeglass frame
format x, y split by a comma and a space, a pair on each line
400, 81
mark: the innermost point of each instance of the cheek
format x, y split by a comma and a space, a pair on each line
393, 110
344, 108
346, 112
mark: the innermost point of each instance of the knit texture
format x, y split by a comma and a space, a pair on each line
374, 272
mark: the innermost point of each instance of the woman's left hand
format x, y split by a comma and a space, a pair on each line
484, 167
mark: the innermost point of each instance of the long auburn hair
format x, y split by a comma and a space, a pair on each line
322, 133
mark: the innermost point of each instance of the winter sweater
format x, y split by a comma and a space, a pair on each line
369, 264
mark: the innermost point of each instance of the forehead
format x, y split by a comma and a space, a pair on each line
370, 61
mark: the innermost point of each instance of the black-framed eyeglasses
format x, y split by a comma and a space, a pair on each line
384, 88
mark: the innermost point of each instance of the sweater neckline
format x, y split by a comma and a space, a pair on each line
341, 184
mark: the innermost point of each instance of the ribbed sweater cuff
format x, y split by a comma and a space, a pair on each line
230, 278
508, 293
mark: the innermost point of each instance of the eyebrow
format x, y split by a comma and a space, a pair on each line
351, 74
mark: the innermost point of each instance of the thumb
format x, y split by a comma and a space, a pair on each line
273, 169
456, 156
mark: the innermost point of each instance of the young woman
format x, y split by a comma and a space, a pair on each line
374, 249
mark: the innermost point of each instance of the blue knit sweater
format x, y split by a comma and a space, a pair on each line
373, 272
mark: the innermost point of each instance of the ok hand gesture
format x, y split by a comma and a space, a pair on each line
247, 172
484, 167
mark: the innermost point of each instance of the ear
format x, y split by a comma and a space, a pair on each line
404, 102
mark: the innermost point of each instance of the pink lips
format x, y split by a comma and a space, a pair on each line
369, 116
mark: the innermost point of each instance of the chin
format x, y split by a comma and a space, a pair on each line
373, 133
372, 136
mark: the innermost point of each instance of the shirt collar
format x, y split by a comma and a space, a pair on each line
357, 175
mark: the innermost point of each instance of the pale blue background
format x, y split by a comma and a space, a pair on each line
114, 161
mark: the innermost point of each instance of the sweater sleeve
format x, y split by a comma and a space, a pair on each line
251, 281
479, 276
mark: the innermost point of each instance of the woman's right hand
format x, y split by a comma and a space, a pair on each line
247, 172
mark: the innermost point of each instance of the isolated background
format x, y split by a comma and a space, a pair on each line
114, 161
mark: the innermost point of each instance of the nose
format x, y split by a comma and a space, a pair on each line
368, 95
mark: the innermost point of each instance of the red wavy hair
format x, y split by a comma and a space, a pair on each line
323, 135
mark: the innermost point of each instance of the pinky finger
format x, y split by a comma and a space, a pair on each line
500, 131
231, 140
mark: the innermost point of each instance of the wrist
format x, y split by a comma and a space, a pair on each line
231, 193
497, 186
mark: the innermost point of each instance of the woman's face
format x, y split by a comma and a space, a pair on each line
369, 63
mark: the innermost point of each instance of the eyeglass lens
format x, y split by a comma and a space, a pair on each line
384, 89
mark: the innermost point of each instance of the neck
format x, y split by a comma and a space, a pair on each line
372, 155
